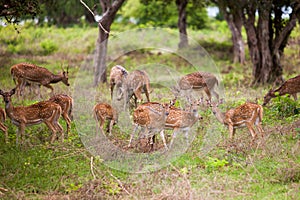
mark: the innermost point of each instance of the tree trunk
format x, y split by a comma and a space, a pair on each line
181, 7
233, 17
109, 10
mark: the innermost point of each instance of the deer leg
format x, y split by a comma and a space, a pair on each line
162, 135
111, 123
132, 134
68, 122
4, 129
260, 129
206, 90
21, 133
231, 131
250, 127
138, 95
112, 85
215, 94
295, 96
176, 130
53, 130
101, 123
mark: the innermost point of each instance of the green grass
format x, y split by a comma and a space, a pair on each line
213, 167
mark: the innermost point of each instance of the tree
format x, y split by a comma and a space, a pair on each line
233, 16
181, 7
14, 10
109, 10
267, 36
268, 39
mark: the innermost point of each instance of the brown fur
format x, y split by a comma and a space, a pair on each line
42, 112
103, 112
291, 86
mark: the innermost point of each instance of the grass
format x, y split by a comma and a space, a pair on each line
213, 167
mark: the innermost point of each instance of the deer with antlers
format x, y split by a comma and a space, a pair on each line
25, 72
198, 81
66, 104
116, 78
105, 112
22, 116
291, 86
135, 83
247, 114
2, 126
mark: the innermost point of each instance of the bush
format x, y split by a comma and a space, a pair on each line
48, 46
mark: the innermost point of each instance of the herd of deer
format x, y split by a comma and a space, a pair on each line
152, 117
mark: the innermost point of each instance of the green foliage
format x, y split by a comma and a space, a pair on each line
215, 164
48, 46
283, 108
162, 13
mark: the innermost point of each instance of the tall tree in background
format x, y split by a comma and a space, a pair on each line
267, 36
109, 10
233, 16
181, 7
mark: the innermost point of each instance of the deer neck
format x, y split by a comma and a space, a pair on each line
9, 109
56, 78
219, 115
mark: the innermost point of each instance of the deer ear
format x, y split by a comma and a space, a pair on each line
13, 91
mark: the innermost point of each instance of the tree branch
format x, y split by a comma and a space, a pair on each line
287, 29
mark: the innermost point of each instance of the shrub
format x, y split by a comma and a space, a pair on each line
48, 46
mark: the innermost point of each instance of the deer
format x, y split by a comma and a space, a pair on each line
116, 77
135, 84
103, 112
152, 117
247, 114
182, 119
291, 86
26, 72
42, 112
2, 126
198, 81
66, 104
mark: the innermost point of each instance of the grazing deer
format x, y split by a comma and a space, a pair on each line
248, 114
291, 86
66, 104
103, 112
22, 116
135, 84
199, 81
2, 126
152, 117
117, 76
182, 120
25, 72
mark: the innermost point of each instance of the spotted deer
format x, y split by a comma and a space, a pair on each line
247, 114
103, 112
291, 86
136, 83
42, 112
182, 119
151, 117
198, 81
2, 126
66, 104
116, 78
25, 72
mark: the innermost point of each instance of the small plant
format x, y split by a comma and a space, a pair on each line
283, 107
48, 46
215, 164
